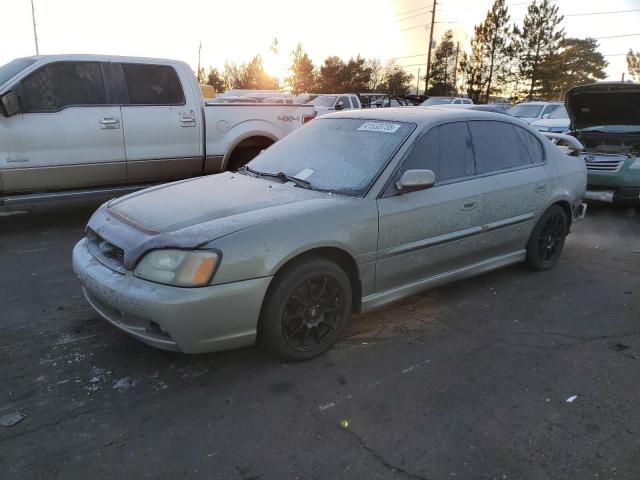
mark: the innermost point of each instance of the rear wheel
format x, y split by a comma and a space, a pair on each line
306, 309
547, 239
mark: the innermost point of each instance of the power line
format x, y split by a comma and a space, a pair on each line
411, 11
600, 13
619, 36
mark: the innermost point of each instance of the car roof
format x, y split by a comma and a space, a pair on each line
422, 116
81, 57
539, 102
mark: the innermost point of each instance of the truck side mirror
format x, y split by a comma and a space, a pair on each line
9, 103
339, 106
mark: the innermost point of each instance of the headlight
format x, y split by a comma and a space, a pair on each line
181, 268
635, 165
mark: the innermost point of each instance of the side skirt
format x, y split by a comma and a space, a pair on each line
377, 300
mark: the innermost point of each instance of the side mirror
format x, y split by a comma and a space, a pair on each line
339, 106
9, 103
413, 180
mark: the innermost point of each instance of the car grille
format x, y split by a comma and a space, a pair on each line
105, 252
609, 166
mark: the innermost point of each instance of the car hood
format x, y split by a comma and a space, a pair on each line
614, 103
551, 122
190, 213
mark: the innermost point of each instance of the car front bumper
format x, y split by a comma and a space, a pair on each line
190, 320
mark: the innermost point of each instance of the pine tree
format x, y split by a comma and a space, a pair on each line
577, 62
538, 38
303, 73
395, 80
214, 78
633, 65
443, 68
492, 41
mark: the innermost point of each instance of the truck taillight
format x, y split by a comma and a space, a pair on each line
308, 118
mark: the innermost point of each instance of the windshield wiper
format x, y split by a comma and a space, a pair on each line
283, 177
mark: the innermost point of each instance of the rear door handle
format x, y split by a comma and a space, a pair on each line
540, 187
469, 204
109, 123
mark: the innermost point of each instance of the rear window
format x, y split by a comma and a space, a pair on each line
152, 85
63, 84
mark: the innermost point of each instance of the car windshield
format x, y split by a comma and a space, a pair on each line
525, 111
436, 101
323, 101
12, 68
341, 155
560, 113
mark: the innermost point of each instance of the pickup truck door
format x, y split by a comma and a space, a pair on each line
68, 132
162, 120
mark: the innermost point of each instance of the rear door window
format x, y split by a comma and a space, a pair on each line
446, 150
63, 84
499, 146
152, 84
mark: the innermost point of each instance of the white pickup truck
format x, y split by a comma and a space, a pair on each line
72, 124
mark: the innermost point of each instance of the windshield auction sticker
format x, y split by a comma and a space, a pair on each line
379, 127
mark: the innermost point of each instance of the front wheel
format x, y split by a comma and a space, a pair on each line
306, 309
547, 239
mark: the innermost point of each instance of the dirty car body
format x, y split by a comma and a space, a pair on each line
353, 193
605, 117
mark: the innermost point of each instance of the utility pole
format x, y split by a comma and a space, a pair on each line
623, 76
433, 20
418, 81
199, 51
35, 33
455, 69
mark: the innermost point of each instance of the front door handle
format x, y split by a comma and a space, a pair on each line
109, 123
469, 204
188, 121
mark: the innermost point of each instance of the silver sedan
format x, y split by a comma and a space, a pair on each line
353, 211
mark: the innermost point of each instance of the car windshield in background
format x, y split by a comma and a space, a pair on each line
435, 101
560, 113
323, 101
14, 67
341, 155
525, 111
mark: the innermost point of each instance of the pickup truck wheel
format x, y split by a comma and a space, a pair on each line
306, 309
547, 239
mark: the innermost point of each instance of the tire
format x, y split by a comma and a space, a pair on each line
306, 309
547, 239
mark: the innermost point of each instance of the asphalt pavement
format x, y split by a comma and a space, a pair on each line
511, 375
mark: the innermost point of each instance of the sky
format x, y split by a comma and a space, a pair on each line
238, 30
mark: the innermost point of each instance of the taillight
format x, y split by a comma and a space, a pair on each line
308, 118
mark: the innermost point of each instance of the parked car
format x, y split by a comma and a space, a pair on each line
532, 111
605, 118
556, 122
327, 103
353, 211
479, 108
86, 121
432, 101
